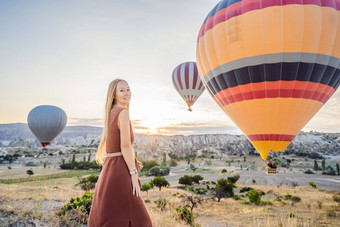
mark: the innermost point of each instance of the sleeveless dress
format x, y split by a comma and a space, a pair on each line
113, 203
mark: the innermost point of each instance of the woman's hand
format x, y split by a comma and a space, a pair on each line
135, 185
139, 166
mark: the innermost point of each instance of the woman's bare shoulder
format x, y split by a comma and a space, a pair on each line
124, 115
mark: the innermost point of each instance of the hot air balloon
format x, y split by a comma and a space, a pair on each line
46, 122
270, 65
187, 82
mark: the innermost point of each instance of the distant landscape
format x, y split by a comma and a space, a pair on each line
35, 184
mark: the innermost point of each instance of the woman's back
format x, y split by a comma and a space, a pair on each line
113, 140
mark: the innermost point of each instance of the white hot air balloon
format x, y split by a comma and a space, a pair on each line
46, 122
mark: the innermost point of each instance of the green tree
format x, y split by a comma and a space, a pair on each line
337, 169
44, 165
323, 164
164, 159
74, 157
186, 180
159, 182
146, 187
224, 188
29, 172
63, 161
316, 166
84, 160
89, 157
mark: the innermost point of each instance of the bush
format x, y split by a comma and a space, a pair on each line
312, 184
291, 214
234, 179
197, 179
319, 204
161, 203
245, 189
173, 162
159, 171
88, 183
146, 187
295, 199
236, 198
336, 198
186, 180
84, 203
200, 191
184, 214
288, 196
224, 170
147, 165
329, 171
308, 171
331, 213
254, 196
147, 201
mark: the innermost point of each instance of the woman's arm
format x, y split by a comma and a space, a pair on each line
125, 139
127, 149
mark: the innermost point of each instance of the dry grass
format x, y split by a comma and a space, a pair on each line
41, 199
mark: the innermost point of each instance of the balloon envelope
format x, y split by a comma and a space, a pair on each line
270, 65
46, 122
187, 82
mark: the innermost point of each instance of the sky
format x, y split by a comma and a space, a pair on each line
66, 52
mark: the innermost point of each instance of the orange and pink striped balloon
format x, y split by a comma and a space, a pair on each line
187, 82
271, 64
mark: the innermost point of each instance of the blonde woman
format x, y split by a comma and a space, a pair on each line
116, 199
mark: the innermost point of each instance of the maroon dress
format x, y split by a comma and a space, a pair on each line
113, 203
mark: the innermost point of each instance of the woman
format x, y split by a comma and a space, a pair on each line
116, 200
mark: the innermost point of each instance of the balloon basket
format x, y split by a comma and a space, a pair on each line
271, 171
189, 109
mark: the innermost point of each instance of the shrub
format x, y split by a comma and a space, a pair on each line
147, 201
254, 181
329, 171
288, 196
234, 179
291, 214
336, 198
173, 162
312, 184
254, 196
83, 202
319, 204
331, 213
147, 165
184, 214
186, 180
236, 198
200, 191
146, 187
308, 171
88, 183
161, 203
295, 199
197, 179
224, 170
245, 189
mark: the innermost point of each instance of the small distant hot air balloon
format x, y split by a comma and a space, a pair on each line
187, 82
270, 65
46, 122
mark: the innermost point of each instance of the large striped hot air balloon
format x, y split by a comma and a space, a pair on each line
270, 64
187, 82
46, 122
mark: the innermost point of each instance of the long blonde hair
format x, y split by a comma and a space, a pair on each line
110, 102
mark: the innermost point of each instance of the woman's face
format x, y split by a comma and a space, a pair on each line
123, 94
